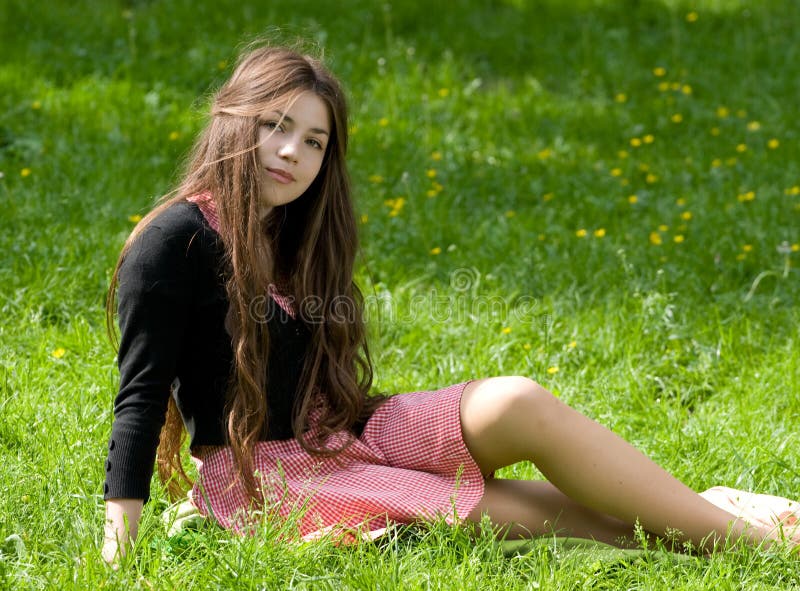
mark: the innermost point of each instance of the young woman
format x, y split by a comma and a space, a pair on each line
240, 322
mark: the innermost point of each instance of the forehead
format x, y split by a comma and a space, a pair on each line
308, 110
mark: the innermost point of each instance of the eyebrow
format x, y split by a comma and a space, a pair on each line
316, 130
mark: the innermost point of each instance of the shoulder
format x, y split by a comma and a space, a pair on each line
179, 225
177, 220
171, 243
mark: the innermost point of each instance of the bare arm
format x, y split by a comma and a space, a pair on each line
121, 527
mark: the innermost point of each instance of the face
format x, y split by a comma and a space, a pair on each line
291, 149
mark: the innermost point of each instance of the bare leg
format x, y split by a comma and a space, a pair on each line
509, 419
524, 508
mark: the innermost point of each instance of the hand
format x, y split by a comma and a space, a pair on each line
112, 552
122, 523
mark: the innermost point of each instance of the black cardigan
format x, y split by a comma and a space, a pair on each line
172, 309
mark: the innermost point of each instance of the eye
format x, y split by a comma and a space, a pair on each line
314, 143
272, 125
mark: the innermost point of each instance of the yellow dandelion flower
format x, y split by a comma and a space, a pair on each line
793, 190
174, 135
135, 218
643, 166
651, 178
572, 344
681, 201
600, 232
723, 112
633, 199
648, 139
747, 247
430, 173
675, 86
616, 172
663, 86
715, 131
376, 179
749, 196
58, 353
795, 247
620, 97
663, 228
36, 105
655, 238
581, 233
542, 237
659, 72
25, 172
552, 370
396, 205
364, 218
383, 121
443, 92
622, 154
741, 113
547, 197
686, 215
676, 118
741, 148
436, 156
544, 154
437, 187
753, 126
527, 346
773, 144
716, 163
636, 142
353, 129
507, 330
678, 238
686, 89
691, 17
741, 256
436, 250
511, 213
731, 161
431, 193
222, 64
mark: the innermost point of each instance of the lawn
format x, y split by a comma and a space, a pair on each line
603, 196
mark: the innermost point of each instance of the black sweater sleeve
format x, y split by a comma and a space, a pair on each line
155, 301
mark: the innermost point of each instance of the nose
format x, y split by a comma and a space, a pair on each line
288, 150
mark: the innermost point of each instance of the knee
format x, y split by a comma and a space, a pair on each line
502, 417
521, 393
518, 396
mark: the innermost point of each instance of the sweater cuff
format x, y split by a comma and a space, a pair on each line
129, 465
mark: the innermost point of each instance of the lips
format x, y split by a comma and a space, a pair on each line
282, 176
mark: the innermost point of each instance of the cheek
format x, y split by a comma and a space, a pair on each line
314, 169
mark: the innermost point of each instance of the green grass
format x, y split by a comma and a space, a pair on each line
516, 106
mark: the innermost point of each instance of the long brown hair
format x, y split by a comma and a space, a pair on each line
308, 247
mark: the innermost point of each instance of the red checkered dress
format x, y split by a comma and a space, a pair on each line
409, 464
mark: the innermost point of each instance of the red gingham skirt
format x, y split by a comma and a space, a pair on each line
409, 464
